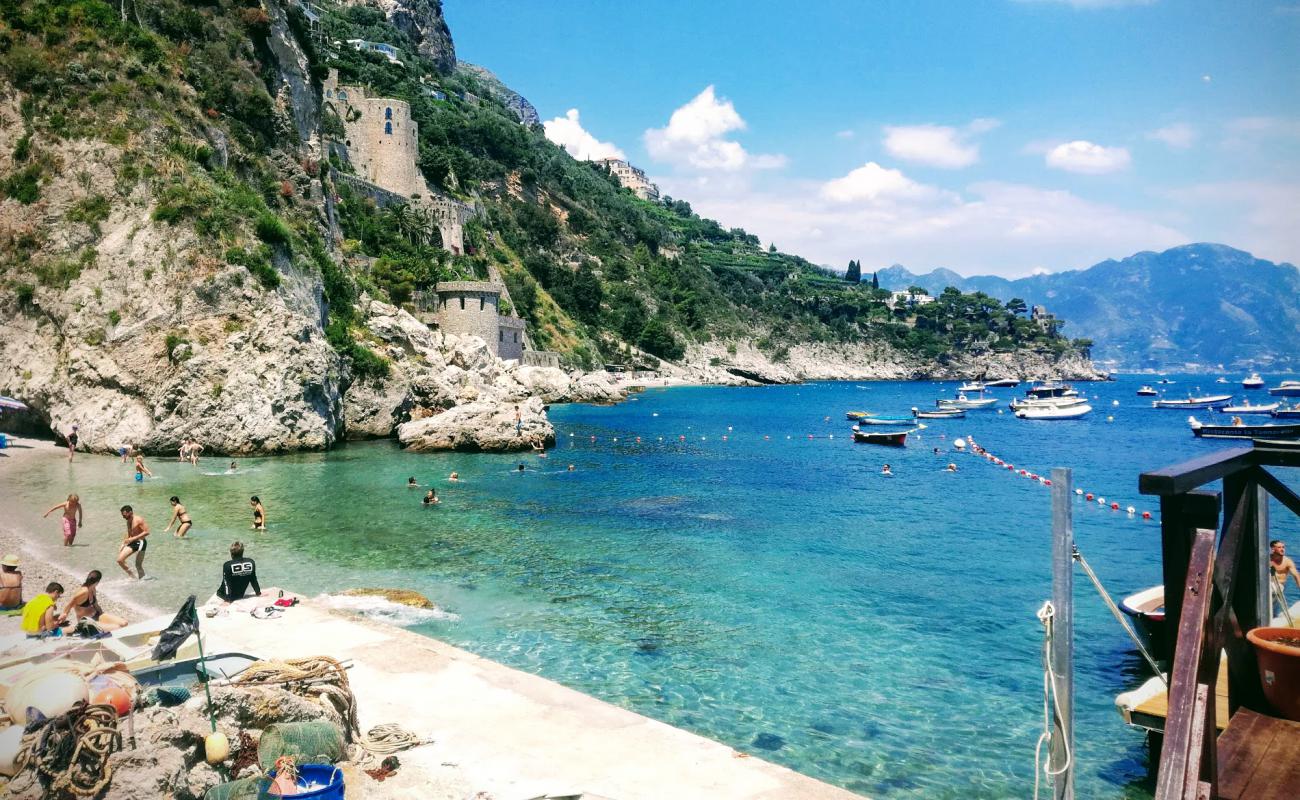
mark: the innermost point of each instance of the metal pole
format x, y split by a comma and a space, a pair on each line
1063, 629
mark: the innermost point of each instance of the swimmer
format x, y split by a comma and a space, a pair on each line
885, 470
454, 477
179, 516
259, 513
936, 451
411, 484
431, 498
140, 469
233, 466
951, 467
521, 467
570, 468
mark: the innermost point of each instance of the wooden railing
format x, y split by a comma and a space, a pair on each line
1213, 597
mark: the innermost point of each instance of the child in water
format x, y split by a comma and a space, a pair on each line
431, 498
140, 469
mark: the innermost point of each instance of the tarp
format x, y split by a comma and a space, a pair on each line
10, 404
185, 623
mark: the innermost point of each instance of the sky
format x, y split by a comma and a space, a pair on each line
1001, 137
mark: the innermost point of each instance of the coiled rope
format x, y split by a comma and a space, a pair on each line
1050, 701
69, 753
389, 738
320, 677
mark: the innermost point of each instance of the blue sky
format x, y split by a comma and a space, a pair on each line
1003, 137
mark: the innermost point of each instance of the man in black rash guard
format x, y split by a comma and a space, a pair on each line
237, 574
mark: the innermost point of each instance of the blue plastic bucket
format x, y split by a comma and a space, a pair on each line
328, 776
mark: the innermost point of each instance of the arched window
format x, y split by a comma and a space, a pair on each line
501, 336
388, 128
462, 304
482, 302
388, 113
343, 95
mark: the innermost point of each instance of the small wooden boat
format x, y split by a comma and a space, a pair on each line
1147, 610
1147, 391
1075, 411
941, 413
962, 401
1253, 382
1264, 431
1286, 389
856, 415
873, 420
1267, 408
1207, 401
887, 438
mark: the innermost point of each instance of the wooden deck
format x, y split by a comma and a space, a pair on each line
1151, 713
1259, 758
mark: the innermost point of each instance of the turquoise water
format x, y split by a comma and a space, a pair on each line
777, 594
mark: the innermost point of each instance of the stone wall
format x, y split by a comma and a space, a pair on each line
380, 135
469, 308
510, 338
540, 358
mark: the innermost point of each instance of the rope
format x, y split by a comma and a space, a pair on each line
69, 753
1050, 701
1119, 615
1279, 589
320, 677
389, 738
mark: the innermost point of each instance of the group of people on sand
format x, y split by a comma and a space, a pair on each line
41, 615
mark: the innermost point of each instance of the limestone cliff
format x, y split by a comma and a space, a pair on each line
512, 100
423, 22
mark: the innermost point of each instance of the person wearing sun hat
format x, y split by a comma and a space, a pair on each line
11, 584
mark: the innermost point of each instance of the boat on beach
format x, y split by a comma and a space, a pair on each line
1147, 610
1286, 389
1269, 430
941, 413
1253, 382
1206, 401
1147, 391
1266, 408
1073, 411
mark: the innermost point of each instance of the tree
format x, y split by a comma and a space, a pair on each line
1017, 306
854, 273
875, 281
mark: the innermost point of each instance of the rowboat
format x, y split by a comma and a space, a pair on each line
962, 401
941, 413
1286, 389
1075, 411
856, 415
1265, 431
888, 438
873, 420
1208, 401
1147, 391
1147, 610
1249, 409
1253, 382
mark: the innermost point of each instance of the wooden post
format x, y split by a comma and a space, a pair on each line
1063, 628
1180, 516
1249, 587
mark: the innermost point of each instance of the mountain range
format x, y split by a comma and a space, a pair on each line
1194, 307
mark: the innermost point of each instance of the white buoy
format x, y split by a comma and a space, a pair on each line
1101, 501
1079, 492
1131, 510
959, 443
1110, 418
1114, 402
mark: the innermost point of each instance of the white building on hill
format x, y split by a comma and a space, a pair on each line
631, 178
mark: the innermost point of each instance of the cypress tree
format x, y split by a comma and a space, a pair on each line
854, 273
875, 280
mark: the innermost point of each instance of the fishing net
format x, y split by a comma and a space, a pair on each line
318, 742
253, 788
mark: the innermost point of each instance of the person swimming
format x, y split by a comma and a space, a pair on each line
521, 467
431, 498
455, 476
885, 470
570, 468
951, 467
234, 465
411, 484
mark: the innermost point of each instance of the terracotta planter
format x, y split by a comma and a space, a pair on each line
1279, 668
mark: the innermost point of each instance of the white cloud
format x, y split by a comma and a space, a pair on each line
1258, 215
937, 145
872, 182
695, 138
567, 132
1180, 135
1087, 158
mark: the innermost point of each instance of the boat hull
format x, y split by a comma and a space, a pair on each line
1286, 413
887, 438
1147, 611
1285, 391
1195, 402
1270, 431
967, 404
885, 421
953, 413
1054, 413
1242, 410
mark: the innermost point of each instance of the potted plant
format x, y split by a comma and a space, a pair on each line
1278, 653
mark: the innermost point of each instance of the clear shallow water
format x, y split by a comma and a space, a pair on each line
778, 595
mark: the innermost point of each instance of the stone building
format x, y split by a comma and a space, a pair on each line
472, 308
631, 177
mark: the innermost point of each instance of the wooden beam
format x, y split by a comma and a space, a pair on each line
1180, 757
1182, 478
1180, 517
1280, 491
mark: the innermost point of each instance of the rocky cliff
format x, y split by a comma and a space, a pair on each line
516, 103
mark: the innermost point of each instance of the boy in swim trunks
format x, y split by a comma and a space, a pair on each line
135, 541
71, 517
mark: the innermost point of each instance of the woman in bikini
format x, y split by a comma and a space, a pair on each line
84, 603
259, 513
179, 515
71, 517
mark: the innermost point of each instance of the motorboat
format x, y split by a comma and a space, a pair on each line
875, 420
1047, 389
1239, 430
1009, 383
1267, 408
1147, 391
1221, 379
1075, 411
1286, 389
887, 438
1287, 413
940, 413
1147, 610
1164, 380
856, 415
1047, 402
971, 386
1253, 382
962, 401
1206, 401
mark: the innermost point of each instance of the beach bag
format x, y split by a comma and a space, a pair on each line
318, 742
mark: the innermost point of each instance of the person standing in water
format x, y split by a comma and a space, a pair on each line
72, 441
140, 469
181, 516
72, 517
259, 513
135, 541
431, 498
411, 484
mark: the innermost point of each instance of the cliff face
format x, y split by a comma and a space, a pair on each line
512, 100
423, 22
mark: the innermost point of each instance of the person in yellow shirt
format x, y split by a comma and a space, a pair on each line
40, 615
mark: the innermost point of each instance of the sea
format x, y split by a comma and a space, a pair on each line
726, 560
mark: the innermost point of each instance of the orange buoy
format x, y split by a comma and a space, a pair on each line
116, 697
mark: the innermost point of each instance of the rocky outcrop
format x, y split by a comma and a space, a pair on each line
481, 426
512, 100
421, 20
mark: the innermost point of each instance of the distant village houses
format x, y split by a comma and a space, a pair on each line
907, 300
631, 177
385, 50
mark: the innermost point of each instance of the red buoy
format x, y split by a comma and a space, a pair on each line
1047, 481
1146, 515
1088, 496
1114, 506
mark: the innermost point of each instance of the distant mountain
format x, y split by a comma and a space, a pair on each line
1190, 307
